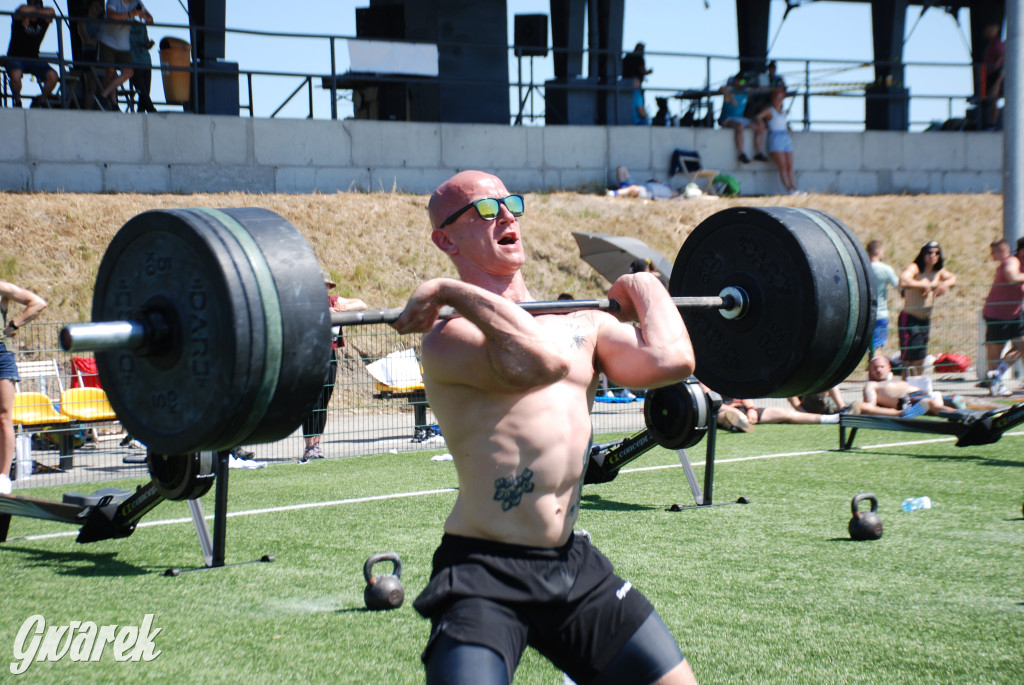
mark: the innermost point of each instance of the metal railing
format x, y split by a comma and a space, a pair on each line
824, 94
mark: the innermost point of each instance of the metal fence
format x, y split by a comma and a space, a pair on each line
366, 417
826, 94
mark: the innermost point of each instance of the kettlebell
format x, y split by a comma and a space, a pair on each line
865, 525
383, 592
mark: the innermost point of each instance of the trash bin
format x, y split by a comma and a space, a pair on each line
175, 52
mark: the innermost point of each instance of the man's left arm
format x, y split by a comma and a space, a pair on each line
656, 353
1012, 271
947, 279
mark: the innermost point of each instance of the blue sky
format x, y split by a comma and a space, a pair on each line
815, 30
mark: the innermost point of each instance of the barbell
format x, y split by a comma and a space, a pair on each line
211, 327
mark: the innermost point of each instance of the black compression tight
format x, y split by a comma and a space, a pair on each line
649, 654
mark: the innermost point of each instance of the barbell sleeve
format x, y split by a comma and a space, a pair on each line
102, 336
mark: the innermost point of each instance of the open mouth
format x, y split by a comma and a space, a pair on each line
508, 240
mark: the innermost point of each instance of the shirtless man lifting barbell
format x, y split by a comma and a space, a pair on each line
512, 393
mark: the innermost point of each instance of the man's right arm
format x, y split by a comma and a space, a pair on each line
27, 12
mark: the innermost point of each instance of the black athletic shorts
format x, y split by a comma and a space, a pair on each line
566, 602
997, 331
914, 334
911, 399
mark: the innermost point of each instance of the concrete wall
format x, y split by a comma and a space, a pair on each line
72, 151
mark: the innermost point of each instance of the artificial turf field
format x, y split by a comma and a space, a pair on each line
769, 592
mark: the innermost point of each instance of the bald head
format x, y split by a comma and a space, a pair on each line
879, 368
459, 190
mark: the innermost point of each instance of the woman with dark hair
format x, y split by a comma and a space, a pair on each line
922, 281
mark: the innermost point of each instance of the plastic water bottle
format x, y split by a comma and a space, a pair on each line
916, 503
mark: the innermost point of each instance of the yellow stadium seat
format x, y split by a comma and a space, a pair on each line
86, 404
35, 409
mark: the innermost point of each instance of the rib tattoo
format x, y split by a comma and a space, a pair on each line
510, 491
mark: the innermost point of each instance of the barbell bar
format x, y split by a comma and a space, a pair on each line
135, 335
211, 327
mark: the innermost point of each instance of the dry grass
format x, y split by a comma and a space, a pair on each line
377, 245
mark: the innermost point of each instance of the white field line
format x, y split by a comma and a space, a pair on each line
421, 493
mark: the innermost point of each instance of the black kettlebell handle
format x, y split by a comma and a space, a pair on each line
384, 556
864, 496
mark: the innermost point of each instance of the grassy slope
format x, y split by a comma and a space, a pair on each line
377, 245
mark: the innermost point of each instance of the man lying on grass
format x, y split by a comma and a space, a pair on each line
512, 393
885, 395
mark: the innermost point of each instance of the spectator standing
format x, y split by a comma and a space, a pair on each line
28, 27
634, 69
768, 83
77, 10
1003, 315
634, 65
922, 281
640, 116
315, 422
142, 76
9, 369
88, 30
733, 116
774, 80
780, 139
885, 276
115, 45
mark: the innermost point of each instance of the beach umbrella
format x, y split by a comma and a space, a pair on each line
612, 255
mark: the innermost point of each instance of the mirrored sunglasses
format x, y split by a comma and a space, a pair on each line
489, 207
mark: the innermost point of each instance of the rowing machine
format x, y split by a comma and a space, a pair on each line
970, 427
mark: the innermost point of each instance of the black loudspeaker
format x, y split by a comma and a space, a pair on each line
571, 102
218, 87
531, 35
381, 21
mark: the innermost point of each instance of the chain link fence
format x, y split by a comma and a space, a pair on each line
366, 416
